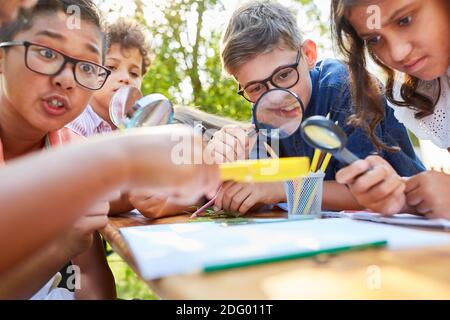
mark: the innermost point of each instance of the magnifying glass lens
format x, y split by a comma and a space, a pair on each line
321, 133
324, 138
121, 102
278, 113
130, 110
152, 110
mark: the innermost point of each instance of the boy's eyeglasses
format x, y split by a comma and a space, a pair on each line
284, 77
50, 62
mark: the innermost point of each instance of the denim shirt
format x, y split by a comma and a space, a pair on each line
331, 94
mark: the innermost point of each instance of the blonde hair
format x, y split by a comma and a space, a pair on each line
255, 28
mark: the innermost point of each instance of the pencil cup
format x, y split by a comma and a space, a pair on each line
304, 195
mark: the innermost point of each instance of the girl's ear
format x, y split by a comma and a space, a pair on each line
309, 50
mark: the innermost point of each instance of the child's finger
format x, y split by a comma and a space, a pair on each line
239, 198
247, 204
239, 143
387, 188
369, 180
414, 197
224, 153
231, 143
424, 208
99, 208
218, 204
137, 204
392, 204
377, 161
210, 180
412, 184
349, 173
149, 202
230, 194
240, 134
93, 223
100, 222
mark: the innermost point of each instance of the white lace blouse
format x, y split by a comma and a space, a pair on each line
435, 127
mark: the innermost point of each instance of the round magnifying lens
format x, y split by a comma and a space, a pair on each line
152, 110
323, 138
323, 134
128, 109
278, 113
123, 100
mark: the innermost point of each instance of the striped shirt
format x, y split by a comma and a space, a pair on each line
89, 123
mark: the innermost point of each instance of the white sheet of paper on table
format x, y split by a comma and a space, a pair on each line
401, 219
164, 250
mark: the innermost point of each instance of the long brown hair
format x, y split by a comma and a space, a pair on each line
369, 105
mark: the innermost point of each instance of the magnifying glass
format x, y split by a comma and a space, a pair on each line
129, 109
278, 114
319, 132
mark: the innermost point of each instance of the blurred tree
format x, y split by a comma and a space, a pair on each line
187, 64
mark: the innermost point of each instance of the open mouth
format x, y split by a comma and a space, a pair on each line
290, 111
55, 105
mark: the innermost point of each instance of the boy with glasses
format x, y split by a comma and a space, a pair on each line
262, 48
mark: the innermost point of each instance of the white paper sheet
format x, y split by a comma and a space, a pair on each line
164, 250
402, 219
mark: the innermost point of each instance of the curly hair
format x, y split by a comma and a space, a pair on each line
130, 34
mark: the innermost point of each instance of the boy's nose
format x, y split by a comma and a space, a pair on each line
65, 79
400, 50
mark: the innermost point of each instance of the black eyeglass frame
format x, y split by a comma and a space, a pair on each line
67, 59
241, 91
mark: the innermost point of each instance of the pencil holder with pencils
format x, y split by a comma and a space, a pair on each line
304, 195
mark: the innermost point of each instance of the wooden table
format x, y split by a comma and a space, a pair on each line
369, 274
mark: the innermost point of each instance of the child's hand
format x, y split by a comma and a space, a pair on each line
162, 162
379, 189
155, 207
80, 236
428, 192
241, 197
148, 205
231, 143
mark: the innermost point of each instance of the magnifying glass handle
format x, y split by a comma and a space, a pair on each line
345, 156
